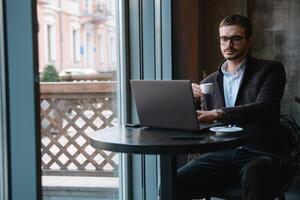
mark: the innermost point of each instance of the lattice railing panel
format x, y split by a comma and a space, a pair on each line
65, 146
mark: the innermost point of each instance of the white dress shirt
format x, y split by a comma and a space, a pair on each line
231, 83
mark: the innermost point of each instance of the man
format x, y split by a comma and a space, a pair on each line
246, 91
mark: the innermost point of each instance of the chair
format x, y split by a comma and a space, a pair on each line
235, 192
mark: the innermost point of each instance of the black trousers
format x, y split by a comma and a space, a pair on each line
259, 175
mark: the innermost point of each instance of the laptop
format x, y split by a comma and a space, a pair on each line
166, 104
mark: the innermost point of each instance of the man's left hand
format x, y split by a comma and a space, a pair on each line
209, 116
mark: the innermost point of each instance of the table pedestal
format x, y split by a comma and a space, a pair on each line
168, 175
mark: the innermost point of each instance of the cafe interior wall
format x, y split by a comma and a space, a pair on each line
195, 46
277, 27
276, 36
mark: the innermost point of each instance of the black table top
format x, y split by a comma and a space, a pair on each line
161, 141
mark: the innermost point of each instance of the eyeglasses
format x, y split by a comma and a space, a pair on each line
236, 39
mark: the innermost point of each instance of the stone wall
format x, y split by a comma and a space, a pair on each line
277, 37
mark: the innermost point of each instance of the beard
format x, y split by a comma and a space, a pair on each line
233, 53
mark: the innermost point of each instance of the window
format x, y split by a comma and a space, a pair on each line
100, 49
88, 50
75, 46
111, 52
63, 116
50, 43
88, 6
111, 7
73, 105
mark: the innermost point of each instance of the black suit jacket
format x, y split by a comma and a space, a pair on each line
258, 102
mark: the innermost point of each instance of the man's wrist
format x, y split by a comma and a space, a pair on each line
219, 113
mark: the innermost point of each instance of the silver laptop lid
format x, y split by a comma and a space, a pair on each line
165, 104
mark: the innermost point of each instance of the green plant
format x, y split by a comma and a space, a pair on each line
50, 74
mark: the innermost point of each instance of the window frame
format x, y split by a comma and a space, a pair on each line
149, 56
25, 181
22, 89
3, 118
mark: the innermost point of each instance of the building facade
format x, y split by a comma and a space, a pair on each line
77, 34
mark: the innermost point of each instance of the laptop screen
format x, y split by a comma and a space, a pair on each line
165, 104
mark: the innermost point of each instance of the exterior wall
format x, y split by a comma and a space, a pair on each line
96, 18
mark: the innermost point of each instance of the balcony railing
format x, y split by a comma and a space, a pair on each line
42, 2
97, 14
103, 76
68, 112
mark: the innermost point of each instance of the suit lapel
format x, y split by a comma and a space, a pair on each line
245, 76
248, 64
220, 85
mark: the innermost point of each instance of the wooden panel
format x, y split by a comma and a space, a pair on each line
215, 11
196, 50
185, 41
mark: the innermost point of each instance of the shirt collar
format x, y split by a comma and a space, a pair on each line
239, 69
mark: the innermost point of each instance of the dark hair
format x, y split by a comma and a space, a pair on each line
238, 20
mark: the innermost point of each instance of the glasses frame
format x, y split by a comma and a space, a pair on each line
235, 39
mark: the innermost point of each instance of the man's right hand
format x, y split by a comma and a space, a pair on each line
196, 90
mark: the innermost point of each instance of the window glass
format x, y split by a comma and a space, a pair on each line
77, 65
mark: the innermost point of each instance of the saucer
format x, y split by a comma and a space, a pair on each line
222, 130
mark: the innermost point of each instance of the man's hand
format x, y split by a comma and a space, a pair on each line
209, 116
196, 90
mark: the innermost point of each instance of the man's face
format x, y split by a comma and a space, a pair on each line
233, 42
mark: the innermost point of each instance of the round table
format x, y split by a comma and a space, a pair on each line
164, 142
161, 141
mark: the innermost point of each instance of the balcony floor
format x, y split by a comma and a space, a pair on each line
80, 188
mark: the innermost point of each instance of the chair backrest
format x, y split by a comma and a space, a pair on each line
292, 128
293, 131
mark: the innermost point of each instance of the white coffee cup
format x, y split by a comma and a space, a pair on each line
207, 88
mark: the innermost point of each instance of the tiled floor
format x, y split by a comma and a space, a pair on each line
80, 188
